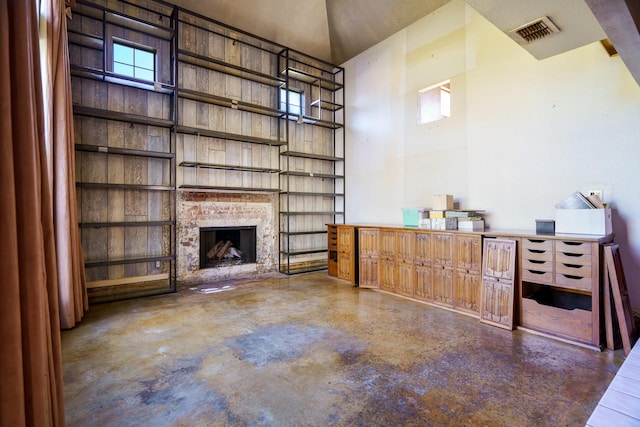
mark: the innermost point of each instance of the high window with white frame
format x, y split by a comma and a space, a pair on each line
134, 61
296, 101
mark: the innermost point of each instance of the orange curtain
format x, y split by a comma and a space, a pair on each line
59, 134
30, 353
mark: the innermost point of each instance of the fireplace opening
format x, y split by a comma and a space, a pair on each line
227, 246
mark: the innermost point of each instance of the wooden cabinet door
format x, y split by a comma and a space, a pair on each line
442, 249
498, 272
387, 260
345, 266
404, 247
422, 249
442, 286
346, 253
369, 270
422, 283
442, 272
387, 274
467, 292
469, 253
369, 249
468, 263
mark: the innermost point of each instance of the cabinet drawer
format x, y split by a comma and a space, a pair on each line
573, 269
573, 259
573, 247
537, 244
573, 323
537, 276
541, 266
574, 282
537, 255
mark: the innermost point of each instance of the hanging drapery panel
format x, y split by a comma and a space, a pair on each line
30, 353
60, 139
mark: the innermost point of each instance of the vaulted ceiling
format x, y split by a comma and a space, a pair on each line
338, 30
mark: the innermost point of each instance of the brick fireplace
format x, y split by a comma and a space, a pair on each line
197, 211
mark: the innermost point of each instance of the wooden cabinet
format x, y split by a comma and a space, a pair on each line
554, 287
560, 288
369, 257
467, 279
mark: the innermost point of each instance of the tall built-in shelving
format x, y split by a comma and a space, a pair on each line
125, 150
215, 119
312, 164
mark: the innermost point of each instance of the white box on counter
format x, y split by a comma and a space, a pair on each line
584, 221
474, 225
444, 223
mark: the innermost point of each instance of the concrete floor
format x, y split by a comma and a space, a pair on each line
311, 350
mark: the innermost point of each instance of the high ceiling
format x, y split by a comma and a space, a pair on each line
338, 30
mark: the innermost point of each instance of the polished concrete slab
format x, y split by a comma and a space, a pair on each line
311, 350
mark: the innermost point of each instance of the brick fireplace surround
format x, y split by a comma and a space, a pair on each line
208, 209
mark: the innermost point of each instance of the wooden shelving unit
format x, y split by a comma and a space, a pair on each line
125, 152
214, 121
312, 177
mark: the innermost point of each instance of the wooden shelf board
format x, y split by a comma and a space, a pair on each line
127, 280
123, 151
223, 67
125, 186
303, 193
304, 267
81, 110
310, 213
126, 224
302, 233
227, 167
228, 102
229, 136
312, 175
303, 76
304, 251
310, 156
121, 261
216, 187
326, 105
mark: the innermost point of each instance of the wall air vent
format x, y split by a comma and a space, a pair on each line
534, 30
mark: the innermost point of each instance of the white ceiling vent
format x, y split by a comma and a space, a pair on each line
534, 30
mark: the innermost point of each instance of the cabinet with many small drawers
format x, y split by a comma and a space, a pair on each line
560, 282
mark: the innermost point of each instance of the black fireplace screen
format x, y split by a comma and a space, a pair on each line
225, 246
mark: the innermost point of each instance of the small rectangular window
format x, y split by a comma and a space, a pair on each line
434, 103
296, 99
134, 61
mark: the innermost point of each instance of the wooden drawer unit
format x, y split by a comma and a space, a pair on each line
575, 265
537, 260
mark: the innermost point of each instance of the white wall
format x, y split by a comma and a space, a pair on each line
523, 134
